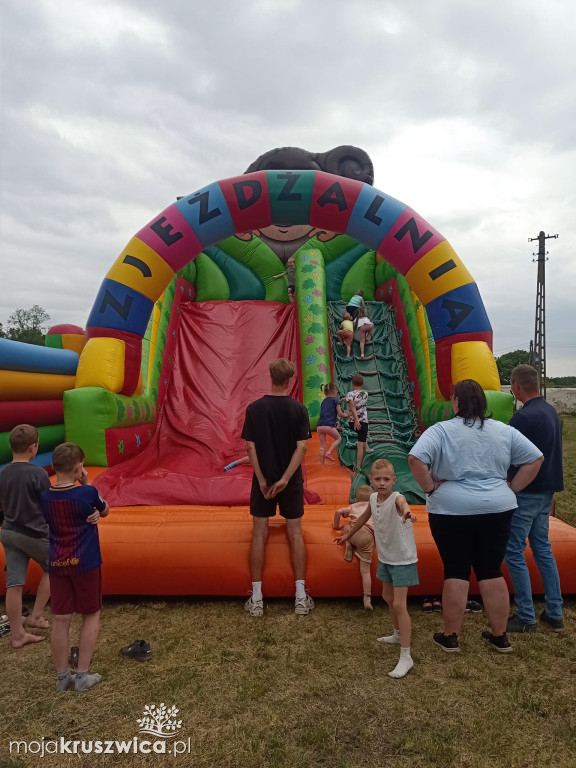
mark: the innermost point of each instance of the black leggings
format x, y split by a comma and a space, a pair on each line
471, 541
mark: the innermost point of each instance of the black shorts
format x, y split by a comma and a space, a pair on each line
291, 290
362, 433
471, 541
290, 502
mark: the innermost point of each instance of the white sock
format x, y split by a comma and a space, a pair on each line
256, 590
300, 591
404, 665
395, 638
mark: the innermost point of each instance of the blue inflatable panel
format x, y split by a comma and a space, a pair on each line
458, 311
17, 356
373, 216
120, 307
206, 211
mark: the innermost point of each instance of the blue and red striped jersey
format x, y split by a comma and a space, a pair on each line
74, 543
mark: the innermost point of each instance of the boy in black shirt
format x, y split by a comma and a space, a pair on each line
276, 430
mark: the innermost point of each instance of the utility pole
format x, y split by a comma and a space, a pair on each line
538, 350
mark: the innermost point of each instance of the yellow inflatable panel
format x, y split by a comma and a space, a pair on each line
140, 268
474, 360
20, 385
102, 364
140, 387
73, 341
438, 272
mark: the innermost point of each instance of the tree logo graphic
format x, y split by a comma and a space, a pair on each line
159, 721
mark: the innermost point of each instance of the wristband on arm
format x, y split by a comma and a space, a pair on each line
230, 466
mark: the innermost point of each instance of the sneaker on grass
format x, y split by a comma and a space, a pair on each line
254, 607
448, 643
499, 643
303, 605
556, 624
515, 624
472, 606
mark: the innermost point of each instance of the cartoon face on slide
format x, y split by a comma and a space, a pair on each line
346, 161
285, 240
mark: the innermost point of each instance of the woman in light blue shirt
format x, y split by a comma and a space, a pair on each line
470, 506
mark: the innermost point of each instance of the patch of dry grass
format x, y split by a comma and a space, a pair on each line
304, 691
566, 501
308, 691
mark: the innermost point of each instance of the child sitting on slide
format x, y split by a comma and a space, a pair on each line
361, 543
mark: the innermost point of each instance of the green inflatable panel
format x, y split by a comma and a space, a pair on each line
263, 262
90, 411
312, 319
337, 270
243, 283
50, 437
211, 283
360, 276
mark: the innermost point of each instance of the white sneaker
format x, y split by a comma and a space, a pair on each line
303, 605
254, 607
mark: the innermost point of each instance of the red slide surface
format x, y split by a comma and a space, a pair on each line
220, 365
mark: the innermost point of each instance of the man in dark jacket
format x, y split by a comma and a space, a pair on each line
539, 422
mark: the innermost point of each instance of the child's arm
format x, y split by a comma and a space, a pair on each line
340, 412
423, 476
403, 509
98, 513
237, 463
362, 520
295, 461
344, 512
280, 275
253, 457
354, 413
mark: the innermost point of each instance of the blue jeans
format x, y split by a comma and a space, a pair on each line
530, 521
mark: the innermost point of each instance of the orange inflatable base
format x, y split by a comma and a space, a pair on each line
204, 551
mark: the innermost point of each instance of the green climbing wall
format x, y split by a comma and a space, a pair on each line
392, 416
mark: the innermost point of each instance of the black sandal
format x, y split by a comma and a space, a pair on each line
139, 651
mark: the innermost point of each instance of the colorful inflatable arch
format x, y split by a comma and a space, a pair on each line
193, 310
454, 309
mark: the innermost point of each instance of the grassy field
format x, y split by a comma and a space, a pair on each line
566, 501
307, 691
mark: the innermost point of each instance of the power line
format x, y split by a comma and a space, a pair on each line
538, 350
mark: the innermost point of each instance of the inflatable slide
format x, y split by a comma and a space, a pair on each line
179, 340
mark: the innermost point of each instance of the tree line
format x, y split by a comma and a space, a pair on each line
510, 360
27, 325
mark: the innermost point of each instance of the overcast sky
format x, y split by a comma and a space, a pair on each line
111, 109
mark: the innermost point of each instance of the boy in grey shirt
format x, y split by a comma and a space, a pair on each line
24, 533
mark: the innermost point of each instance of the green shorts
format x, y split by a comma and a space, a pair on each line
398, 575
19, 550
